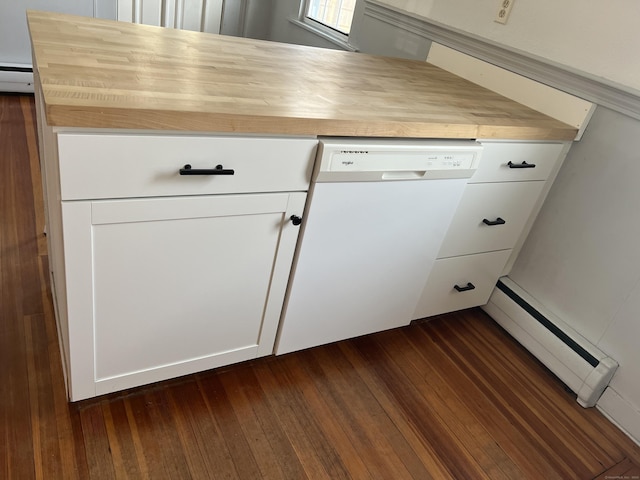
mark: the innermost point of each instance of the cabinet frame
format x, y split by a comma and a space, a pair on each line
69, 237
493, 172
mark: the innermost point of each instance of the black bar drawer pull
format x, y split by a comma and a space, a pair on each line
521, 165
497, 221
466, 288
219, 170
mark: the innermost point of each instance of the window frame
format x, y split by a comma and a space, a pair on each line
329, 33
307, 5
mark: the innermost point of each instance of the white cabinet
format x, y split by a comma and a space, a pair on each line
490, 217
496, 211
167, 274
128, 165
449, 285
504, 161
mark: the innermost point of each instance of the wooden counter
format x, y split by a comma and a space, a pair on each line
105, 74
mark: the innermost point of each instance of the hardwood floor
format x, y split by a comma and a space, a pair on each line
451, 398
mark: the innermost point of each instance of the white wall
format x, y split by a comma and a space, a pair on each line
258, 16
15, 47
601, 39
582, 257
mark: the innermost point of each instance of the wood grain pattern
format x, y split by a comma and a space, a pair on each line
105, 74
454, 398
625, 470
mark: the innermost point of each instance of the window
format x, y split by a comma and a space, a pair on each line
334, 14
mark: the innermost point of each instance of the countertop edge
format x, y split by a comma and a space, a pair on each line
205, 122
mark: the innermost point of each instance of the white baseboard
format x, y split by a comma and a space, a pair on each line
621, 413
16, 80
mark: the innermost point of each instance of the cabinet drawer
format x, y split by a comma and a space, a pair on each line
94, 166
481, 271
494, 164
509, 201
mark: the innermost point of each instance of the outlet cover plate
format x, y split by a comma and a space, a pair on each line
503, 11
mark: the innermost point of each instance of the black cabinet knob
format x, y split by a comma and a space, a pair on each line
296, 220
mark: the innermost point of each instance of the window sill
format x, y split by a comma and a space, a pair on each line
336, 41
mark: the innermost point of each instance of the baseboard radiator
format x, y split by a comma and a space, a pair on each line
16, 78
580, 365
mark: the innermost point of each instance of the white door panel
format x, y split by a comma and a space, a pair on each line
366, 252
163, 287
196, 15
197, 310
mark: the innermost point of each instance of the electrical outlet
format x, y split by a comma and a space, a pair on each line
504, 11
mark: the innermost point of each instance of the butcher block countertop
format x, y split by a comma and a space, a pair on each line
105, 74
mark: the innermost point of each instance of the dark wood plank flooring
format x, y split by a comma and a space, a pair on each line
451, 398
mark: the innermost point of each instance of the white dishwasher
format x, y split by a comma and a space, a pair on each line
376, 216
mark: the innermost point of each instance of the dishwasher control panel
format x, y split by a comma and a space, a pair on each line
374, 160
347, 161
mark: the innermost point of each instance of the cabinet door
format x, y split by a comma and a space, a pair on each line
164, 287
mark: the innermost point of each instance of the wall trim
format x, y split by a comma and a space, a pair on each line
581, 84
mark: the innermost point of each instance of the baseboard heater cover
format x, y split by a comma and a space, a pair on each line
16, 78
580, 365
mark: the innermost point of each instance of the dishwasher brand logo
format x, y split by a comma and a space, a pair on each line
346, 163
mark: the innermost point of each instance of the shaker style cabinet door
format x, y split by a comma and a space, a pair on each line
162, 287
